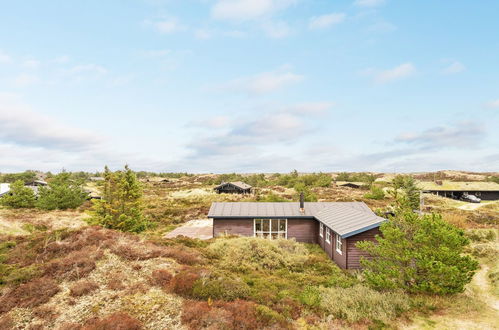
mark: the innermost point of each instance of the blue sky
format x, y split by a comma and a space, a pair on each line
249, 85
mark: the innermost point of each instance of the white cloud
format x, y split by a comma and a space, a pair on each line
203, 34
276, 29
454, 67
61, 59
21, 126
493, 104
241, 10
325, 21
31, 64
311, 108
87, 69
263, 83
166, 26
399, 72
25, 79
4, 57
217, 122
464, 134
369, 3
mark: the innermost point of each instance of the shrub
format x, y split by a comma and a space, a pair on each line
375, 192
310, 296
360, 303
482, 235
74, 266
238, 314
121, 205
248, 253
183, 282
19, 196
82, 288
220, 288
63, 192
115, 321
28, 295
161, 277
418, 254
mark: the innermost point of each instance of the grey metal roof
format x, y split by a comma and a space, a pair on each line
238, 184
344, 218
346, 221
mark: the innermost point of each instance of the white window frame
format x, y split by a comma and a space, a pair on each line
339, 244
321, 229
270, 231
328, 235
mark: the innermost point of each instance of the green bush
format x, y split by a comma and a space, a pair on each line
63, 192
19, 196
375, 193
360, 303
268, 315
249, 253
310, 296
220, 288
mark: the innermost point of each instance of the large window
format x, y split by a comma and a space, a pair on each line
271, 228
339, 244
328, 235
321, 230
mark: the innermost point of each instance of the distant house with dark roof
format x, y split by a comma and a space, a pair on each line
350, 184
335, 226
33, 185
236, 187
483, 190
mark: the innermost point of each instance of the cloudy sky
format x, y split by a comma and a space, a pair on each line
249, 85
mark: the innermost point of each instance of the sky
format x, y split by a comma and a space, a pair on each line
216, 86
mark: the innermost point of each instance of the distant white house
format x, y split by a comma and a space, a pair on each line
4, 188
34, 185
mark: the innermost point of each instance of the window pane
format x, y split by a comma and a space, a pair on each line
275, 225
282, 225
266, 235
258, 225
282, 235
274, 235
266, 225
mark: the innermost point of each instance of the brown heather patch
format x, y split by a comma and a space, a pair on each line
161, 277
115, 321
83, 287
31, 294
76, 265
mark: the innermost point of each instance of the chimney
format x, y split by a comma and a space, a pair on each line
302, 203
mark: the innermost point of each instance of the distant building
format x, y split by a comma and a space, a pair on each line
33, 185
236, 187
488, 191
349, 184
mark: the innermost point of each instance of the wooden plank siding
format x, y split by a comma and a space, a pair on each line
303, 230
353, 253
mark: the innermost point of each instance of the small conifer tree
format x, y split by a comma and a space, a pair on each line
19, 196
121, 205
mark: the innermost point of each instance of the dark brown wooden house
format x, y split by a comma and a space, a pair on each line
236, 187
335, 226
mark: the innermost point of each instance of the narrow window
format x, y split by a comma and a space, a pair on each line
328, 235
271, 228
321, 230
339, 244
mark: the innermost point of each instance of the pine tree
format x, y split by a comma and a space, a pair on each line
121, 205
19, 196
63, 192
419, 254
